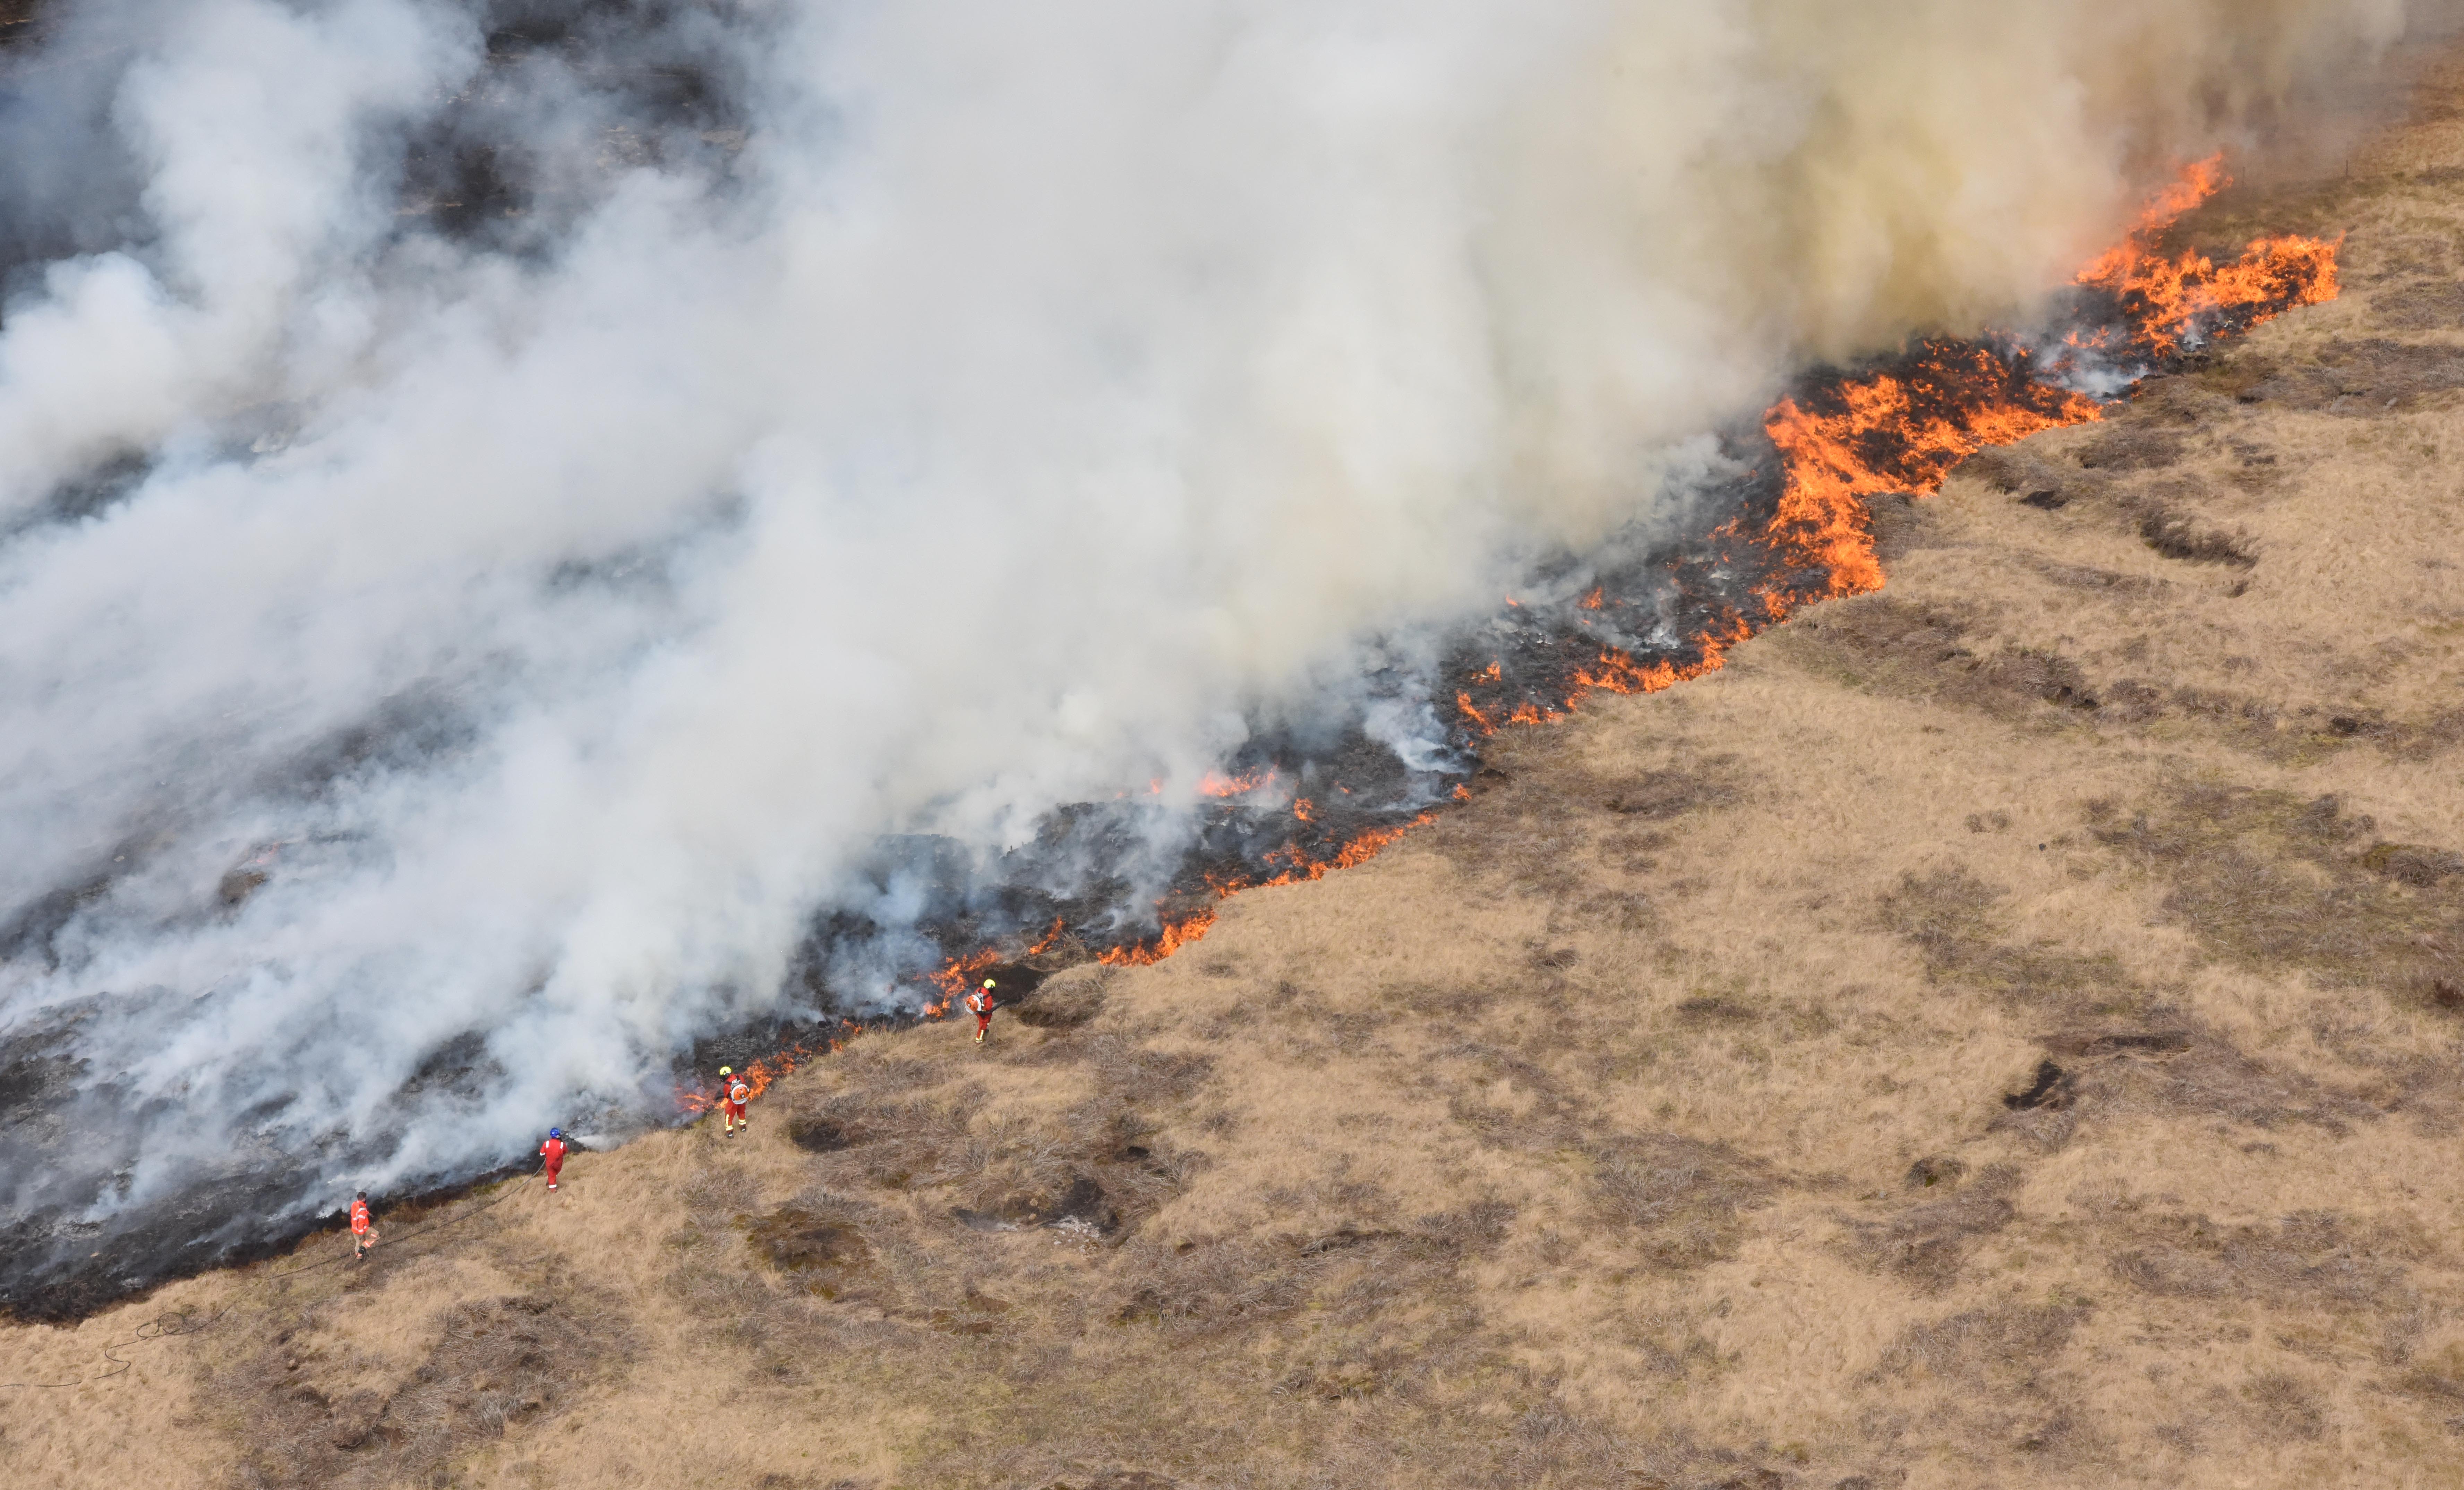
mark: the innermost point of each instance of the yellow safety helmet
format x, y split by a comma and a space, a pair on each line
988, 982
727, 1070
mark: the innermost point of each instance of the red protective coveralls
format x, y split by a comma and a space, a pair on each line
552, 1152
364, 1233
980, 1004
731, 1105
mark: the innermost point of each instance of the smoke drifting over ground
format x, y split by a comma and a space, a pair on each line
509, 509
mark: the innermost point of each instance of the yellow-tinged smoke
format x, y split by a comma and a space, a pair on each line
1792, 178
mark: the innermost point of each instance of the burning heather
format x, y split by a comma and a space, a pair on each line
546, 545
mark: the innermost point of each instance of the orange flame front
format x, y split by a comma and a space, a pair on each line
1176, 935
2164, 298
955, 978
1242, 785
1900, 430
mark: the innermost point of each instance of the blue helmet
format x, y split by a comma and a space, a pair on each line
556, 1132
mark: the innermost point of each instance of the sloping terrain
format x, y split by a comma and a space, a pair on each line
2002, 1030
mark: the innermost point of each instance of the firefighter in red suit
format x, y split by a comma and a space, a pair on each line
980, 1003
363, 1230
552, 1155
733, 1095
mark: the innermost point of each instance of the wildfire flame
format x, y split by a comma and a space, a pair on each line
1242, 785
1904, 428
1898, 431
955, 978
759, 1075
1176, 935
2167, 301
1840, 443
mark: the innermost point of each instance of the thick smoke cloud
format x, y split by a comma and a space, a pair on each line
417, 622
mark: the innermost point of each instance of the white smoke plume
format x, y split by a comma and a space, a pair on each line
993, 410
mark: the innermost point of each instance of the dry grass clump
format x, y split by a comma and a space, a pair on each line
819, 1244
2314, 1260
1939, 652
1208, 1286
2356, 378
1675, 1203
1992, 1383
1067, 1004
502, 1363
1958, 922
1658, 795
2178, 537
1997, 1345
2020, 471
1101, 1164
2128, 444
2273, 880
2193, 1070
1928, 1241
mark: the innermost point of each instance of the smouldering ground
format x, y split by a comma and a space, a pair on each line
2004, 1030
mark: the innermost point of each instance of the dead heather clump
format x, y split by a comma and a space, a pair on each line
1991, 1382
1937, 652
863, 1139
2314, 1260
1100, 1166
1956, 922
1659, 795
1926, 1242
1675, 1203
819, 1243
2177, 537
2131, 445
1351, 1313
1067, 1004
2274, 881
2360, 379
2020, 471
1533, 840
1995, 1345
2180, 1066
504, 1363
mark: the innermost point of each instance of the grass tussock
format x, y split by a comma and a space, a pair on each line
1929, 1241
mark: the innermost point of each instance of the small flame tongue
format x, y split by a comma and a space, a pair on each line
1900, 431
2169, 302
